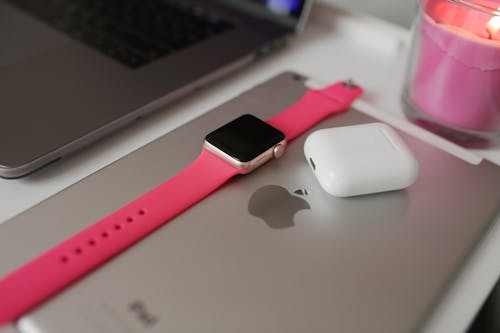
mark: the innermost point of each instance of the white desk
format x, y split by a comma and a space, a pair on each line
335, 46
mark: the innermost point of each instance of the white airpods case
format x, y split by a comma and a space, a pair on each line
360, 159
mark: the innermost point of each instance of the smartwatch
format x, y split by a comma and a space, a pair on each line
238, 147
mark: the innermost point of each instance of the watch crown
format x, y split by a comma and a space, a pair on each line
279, 150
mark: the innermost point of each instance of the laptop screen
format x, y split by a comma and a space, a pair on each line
289, 13
283, 7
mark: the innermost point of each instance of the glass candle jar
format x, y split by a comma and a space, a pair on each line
453, 80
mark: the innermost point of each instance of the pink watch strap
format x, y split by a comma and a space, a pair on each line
313, 107
52, 271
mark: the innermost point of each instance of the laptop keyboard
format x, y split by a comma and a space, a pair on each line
133, 32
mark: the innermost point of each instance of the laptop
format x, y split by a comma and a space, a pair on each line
295, 260
72, 71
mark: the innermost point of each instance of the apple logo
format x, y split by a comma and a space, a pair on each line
276, 206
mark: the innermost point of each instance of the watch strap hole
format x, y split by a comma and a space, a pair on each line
92, 242
64, 259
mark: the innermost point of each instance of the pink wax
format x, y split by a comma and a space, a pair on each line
457, 67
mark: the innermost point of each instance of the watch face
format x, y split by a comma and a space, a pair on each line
245, 138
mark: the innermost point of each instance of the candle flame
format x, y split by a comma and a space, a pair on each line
493, 25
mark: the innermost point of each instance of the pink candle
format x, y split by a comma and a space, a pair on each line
456, 74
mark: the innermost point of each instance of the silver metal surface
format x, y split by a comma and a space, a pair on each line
268, 252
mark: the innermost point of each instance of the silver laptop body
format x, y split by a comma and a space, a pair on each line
72, 71
303, 261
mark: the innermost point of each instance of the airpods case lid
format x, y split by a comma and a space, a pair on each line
360, 159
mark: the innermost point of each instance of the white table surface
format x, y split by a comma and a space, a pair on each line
400, 12
335, 45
